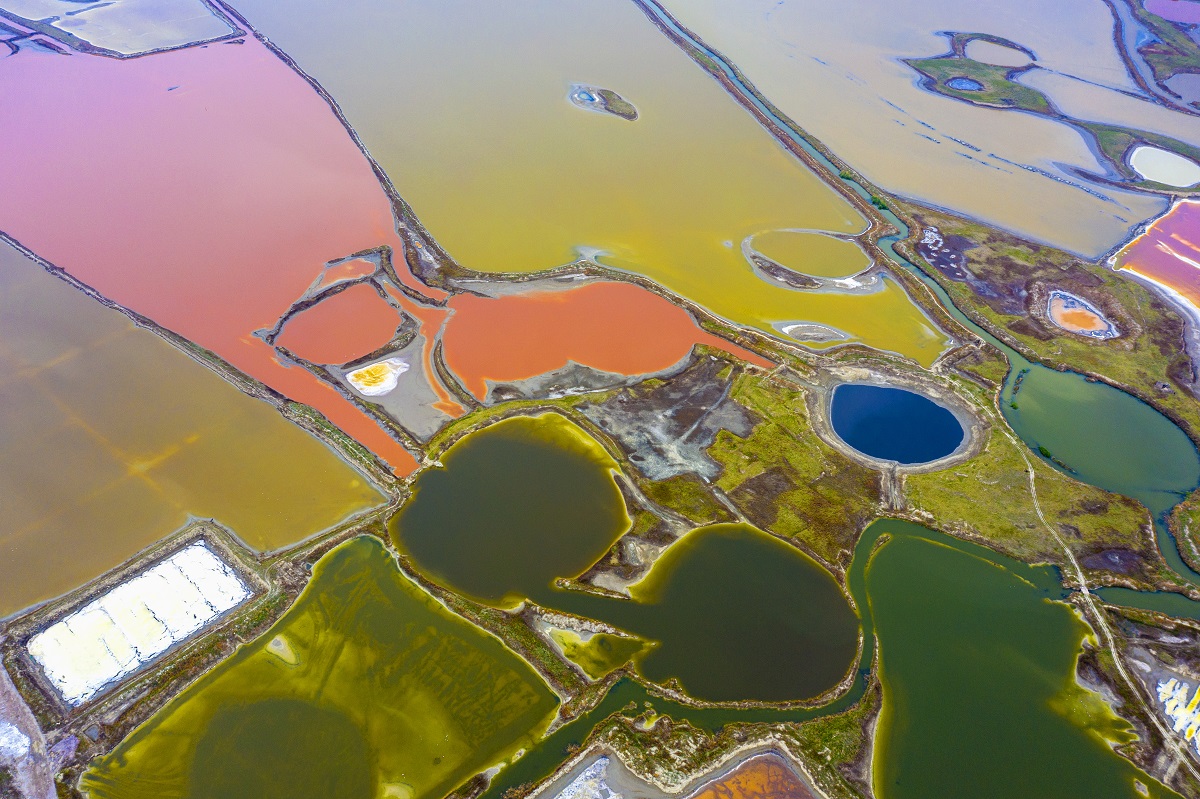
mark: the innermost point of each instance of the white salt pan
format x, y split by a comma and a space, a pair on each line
1165, 167
131, 625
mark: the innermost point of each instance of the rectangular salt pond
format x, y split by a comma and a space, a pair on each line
134, 623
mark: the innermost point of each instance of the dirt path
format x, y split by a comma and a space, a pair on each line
31, 772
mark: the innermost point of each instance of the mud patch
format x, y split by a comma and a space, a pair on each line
665, 427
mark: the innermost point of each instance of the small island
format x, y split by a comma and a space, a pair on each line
605, 101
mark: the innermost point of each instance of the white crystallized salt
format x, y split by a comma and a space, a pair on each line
116, 634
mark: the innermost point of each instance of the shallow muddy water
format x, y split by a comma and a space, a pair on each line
366, 687
113, 438
480, 139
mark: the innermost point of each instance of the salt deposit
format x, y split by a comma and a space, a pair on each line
1163, 166
378, 378
134, 623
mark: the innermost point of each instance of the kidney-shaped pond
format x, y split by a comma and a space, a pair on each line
894, 424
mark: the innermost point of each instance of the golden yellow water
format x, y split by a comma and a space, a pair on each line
464, 104
110, 439
810, 253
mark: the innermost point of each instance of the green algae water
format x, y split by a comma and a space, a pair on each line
737, 615
366, 687
733, 613
1104, 436
979, 690
938, 608
516, 505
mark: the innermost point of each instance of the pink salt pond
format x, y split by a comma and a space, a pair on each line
207, 192
1168, 253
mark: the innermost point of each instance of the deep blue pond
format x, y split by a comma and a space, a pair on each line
893, 424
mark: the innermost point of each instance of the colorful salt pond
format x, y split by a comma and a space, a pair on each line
613, 327
379, 378
528, 500
130, 626
265, 185
127, 27
379, 692
1159, 464
338, 329
1185, 11
113, 438
516, 505
764, 777
849, 91
894, 424
1163, 166
811, 254
1168, 253
547, 183
1078, 316
979, 691
597, 654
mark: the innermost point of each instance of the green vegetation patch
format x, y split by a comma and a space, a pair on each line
836, 749
996, 87
787, 480
366, 687
1149, 353
617, 105
1173, 52
687, 495
988, 498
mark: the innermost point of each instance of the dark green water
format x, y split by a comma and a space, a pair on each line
516, 505
983, 649
738, 614
980, 698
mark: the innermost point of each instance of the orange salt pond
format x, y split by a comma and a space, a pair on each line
609, 326
1168, 253
207, 191
1078, 316
763, 777
350, 324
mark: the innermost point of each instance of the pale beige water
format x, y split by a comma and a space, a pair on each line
835, 69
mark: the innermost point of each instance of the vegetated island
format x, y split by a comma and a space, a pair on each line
605, 101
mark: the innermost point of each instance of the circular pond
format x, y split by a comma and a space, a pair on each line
894, 424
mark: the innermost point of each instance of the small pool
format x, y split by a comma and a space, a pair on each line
894, 424
964, 84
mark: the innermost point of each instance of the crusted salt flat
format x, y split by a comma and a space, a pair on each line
131, 625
